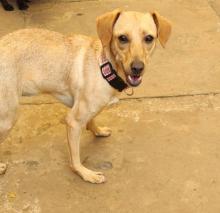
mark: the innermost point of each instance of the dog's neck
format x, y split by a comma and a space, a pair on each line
110, 70
108, 53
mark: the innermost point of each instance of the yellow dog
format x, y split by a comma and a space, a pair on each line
83, 73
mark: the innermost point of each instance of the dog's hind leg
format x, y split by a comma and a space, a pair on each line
6, 124
5, 127
8, 111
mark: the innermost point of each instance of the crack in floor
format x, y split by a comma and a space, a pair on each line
175, 96
213, 7
140, 98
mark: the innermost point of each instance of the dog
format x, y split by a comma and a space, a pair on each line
82, 72
22, 5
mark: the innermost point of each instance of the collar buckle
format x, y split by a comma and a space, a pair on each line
127, 92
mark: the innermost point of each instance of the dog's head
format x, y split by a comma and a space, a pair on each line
131, 38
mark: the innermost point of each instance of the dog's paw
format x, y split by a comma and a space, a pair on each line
8, 7
90, 176
103, 132
94, 177
3, 168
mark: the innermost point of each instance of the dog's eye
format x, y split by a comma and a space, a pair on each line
123, 39
148, 39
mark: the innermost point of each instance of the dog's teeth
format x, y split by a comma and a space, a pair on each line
134, 80
130, 78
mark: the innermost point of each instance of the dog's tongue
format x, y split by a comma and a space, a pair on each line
134, 80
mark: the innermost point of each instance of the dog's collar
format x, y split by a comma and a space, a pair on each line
110, 75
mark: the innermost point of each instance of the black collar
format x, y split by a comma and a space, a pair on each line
110, 75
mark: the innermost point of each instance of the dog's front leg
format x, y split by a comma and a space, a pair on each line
97, 130
76, 120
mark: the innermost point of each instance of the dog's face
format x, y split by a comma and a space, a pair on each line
131, 37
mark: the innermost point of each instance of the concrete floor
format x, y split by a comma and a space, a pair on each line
164, 153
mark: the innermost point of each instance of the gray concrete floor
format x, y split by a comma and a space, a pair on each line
164, 153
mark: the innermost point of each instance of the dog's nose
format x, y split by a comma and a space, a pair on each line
137, 67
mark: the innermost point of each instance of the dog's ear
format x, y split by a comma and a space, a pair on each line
163, 28
105, 24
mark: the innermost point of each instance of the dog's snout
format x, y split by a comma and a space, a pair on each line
137, 67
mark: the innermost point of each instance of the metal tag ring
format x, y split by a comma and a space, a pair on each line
127, 92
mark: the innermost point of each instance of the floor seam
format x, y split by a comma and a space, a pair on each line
142, 98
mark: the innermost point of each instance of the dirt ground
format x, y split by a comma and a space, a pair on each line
164, 152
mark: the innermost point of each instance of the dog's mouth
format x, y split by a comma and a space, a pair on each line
134, 80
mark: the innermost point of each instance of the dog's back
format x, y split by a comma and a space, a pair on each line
41, 59
34, 61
